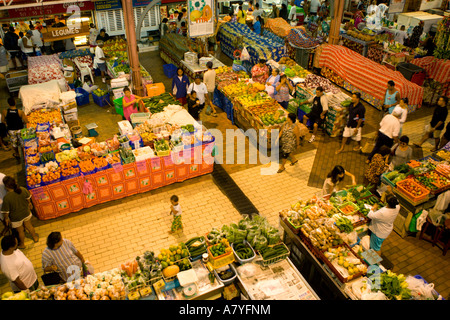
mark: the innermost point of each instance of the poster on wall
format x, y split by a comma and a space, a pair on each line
430, 4
201, 17
396, 6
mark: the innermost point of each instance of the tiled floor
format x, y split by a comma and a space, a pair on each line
110, 233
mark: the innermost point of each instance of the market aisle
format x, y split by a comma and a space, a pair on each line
111, 233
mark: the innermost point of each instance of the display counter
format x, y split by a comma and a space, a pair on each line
192, 70
278, 281
61, 198
205, 290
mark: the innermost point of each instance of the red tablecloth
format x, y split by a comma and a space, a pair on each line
44, 68
367, 75
61, 198
436, 69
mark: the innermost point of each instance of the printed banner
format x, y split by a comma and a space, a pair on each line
201, 18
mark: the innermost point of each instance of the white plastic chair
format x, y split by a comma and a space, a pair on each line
84, 70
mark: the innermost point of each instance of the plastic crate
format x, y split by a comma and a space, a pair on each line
403, 191
83, 99
277, 258
386, 180
101, 101
348, 204
138, 118
227, 281
170, 70
242, 261
408, 69
221, 260
118, 105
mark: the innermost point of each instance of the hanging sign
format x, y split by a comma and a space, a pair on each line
430, 4
108, 5
67, 32
200, 17
396, 6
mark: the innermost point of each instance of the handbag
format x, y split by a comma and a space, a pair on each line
51, 278
369, 145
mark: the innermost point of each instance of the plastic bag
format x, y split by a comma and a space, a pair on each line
259, 242
365, 243
378, 295
436, 216
421, 290
245, 56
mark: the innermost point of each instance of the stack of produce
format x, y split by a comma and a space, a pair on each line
337, 114
292, 69
43, 115
173, 260
312, 81
156, 104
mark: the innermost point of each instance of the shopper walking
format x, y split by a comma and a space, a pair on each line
209, 79
403, 108
11, 44
260, 72
436, 125
257, 13
289, 141
16, 210
283, 89
401, 152
62, 256
377, 166
391, 97
318, 111
382, 222
15, 120
100, 60
36, 38
284, 13
130, 103
445, 138
180, 84
355, 123
175, 211
16, 267
334, 179
388, 132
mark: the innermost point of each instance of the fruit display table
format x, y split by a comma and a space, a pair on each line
368, 77
44, 68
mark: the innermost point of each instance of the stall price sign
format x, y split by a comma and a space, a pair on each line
117, 167
201, 18
67, 32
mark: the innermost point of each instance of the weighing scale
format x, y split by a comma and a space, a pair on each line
91, 128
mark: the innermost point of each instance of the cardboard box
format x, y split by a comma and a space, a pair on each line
71, 116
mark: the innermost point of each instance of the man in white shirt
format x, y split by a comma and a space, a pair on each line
257, 12
293, 13
17, 268
314, 7
36, 38
388, 132
401, 35
201, 89
382, 222
100, 59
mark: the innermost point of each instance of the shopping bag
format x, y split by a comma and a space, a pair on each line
87, 269
208, 110
51, 278
245, 56
368, 146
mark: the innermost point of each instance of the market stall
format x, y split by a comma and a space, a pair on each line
38, 94
44, 68
436, 69
248, 254
328, 241
159, 147
233, 35
360, 74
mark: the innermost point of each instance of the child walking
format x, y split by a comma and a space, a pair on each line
175, 210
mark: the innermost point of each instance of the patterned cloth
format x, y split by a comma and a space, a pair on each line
367, 75
436, 69
258, 47
279, 26
44, 68
176, 223
300, 38
14, 137
258, 70
272, 36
